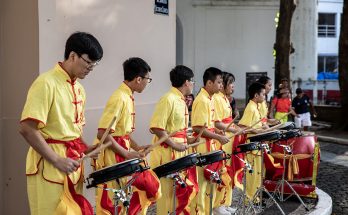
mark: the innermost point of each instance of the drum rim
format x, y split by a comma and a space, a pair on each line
175, 162
212, 153
121, 164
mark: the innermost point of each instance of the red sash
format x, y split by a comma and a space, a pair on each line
121, 141
74, 148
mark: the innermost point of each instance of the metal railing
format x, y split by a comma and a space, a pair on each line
326, 30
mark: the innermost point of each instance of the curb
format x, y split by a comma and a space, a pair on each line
324, 205
332, 140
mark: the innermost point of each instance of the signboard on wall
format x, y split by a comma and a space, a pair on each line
161, 7
252, 77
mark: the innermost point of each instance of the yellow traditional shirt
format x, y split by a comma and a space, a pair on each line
171, 115
203, 112
57, 103
264, 109
121, 105
222, 106
171, 112
251, 115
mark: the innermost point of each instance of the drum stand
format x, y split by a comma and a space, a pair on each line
121, 195
176, 179
256, 202
214, 178
242, 200
279, 190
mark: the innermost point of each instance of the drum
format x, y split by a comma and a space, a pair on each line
247, 147
290, 134
306, 156
116, 171
267, 136
211, 157
287, 126
177, 165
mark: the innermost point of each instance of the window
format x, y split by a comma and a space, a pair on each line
327, 25
327, 63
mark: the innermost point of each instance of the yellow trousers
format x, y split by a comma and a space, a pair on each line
44, 196
253, 180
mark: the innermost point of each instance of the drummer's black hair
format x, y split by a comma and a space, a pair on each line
83, 43
180, 74
135, 67
211, 74
263, 80
255, 88
227, 78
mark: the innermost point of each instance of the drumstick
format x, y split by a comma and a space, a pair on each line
99, 148
244, 129
195, 144
200, 132
274, 127
107, 130
229, 125
159, 141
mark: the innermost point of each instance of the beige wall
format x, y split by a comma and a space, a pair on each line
19, 65
32, 37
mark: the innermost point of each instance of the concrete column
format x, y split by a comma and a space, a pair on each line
304, 38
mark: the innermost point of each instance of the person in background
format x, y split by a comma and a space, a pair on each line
281, 105
302, 106
232, 100
52, 123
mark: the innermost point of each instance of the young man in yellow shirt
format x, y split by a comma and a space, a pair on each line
223, 113
203, 113
171, 115
121, 105
251, 115
52, 122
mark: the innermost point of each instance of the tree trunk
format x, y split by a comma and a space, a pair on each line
343, 65
283, 46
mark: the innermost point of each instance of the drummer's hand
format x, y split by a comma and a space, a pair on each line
144, 147
179, 147
223, 139
66, 165
218, 131
193, 139
133, 154
91, 148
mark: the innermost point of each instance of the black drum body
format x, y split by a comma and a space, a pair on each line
177, 165
116, 171
268, 136
211, 157
247, 147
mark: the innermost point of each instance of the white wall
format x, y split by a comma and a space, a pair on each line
234, 36
330, 45
125, 28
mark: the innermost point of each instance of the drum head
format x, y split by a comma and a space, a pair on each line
116, 171
176, 165
267, 136
211, 157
